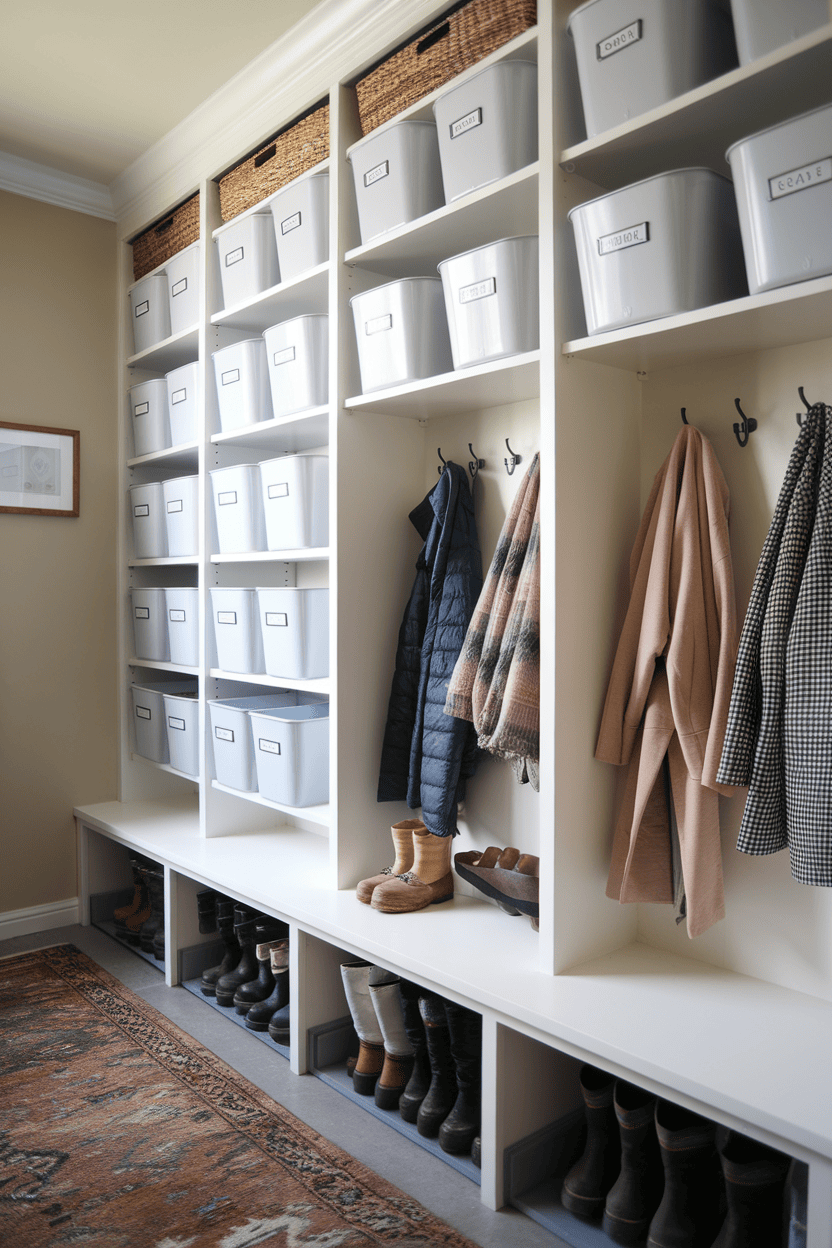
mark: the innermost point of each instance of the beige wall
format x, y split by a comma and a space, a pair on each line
58, 714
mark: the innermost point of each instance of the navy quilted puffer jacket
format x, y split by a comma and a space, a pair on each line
427, 756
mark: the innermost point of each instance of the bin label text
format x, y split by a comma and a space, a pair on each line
143, 712
176, 615
143, 509
175, 722
234, 257
375, 175
142, 613
291, 223
226, 498
226, 617
629, 237
285, 356
270, 747
468, 122
179, 396
224, 734
178, 287
277, 619
141, 308
480, 290
141, 409
624, 38
798, 179
378, 324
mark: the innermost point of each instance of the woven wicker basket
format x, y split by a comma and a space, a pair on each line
463, 36
165, 238
297, 148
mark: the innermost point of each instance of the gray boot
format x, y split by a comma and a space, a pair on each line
356, 980
398, 1051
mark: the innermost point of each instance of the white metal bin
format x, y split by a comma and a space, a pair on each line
295, 494
247, 257
300, 212
182, 409
242, 376
401, 331
237, 630
182, 725
491, 297
181, 515
231, 738
783, 184
761, 26
631, 61
238, 508
668, 244
150, 629
291, 751
182, 609
397, 176
297, 352
149, 727
147, 509
487, 127
294, 625
183, 288
150, 313
149, 416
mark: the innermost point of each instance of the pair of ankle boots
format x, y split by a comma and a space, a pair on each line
420, 875
253, 976
417, 1053
142, 921
652, 1169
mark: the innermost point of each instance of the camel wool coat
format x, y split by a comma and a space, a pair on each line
670, 687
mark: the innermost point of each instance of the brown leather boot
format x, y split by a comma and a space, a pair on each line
402, 834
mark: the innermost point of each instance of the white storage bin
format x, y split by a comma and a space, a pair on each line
237, 630
668, 244
238, 508
150, 629
183, 288
149, 727
297, 353
182, 725
294, 625
182, 409
291, 751
182, 609
761, 26
242, 376
401, 331
630, 61
231, 737
783, 184
181, 515
487, 127
247, 258
147, 509
150, 313
397, 176
295, 494
300, 212
491, 298
149, 416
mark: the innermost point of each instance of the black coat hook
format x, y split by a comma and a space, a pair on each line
444, 461
799, 415
511, 463
475, 464
749, 424
684, 417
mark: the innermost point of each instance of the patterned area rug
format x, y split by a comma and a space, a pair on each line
118, 1130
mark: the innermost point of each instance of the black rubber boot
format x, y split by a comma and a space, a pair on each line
476, 1152
279, 1022
755, 1178
206, 908
636, 1193
262, 1013
417, 1085
245, 929
233, 952
585, 1187
155, 877
262, 985
462, 1125
441, 1095
692, 1205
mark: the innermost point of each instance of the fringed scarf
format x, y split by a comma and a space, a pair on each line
496, 680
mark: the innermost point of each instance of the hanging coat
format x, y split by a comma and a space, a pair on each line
670, 686
427, 756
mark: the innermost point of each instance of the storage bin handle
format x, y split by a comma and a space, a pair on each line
434, 37
163, 226
265, 155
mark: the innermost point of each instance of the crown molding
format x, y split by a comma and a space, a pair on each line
50, 186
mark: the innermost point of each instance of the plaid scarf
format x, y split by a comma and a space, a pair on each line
496, 680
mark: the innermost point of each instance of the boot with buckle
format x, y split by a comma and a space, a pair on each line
430, 882
402, 834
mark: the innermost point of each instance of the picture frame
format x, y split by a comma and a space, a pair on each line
40, 470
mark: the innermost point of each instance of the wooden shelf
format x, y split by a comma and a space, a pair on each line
299, 432
303, 295
319, 685
494, 384
173, 352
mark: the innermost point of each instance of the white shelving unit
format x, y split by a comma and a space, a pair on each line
738, 1024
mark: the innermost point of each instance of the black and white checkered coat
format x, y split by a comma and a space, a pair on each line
779, 735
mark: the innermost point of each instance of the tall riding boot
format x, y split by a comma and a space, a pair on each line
262, 986
245, 929
460, 1128
155, 877
140, 898
356, 980
441, 1094
755, 1178
233, 952
635, 1195
692, 1205
429, 882
419, 1081
398, 1051
402, 834
585, 1187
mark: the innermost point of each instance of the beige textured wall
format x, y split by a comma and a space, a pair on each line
57, 576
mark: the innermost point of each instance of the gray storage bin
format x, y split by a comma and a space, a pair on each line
183, 288
397, 176
237, 630
147, 511
291, 751
182, 515
182, 607
150, 629
182, 408
761, 26
401, 331
182, 726
149, 728
300, 212
492, 300
150, 311
247, 258
231, 739
149, 416
294, 626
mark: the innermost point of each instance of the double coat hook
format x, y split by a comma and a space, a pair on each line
747, 427
475, 464
799, 415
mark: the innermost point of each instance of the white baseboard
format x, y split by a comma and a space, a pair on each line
38, 918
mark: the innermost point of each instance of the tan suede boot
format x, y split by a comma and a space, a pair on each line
429, 882
402, 834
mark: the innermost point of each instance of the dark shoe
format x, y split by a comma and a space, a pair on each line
133, 923
506, 876
155, 877
585, 1187
260, 1014
262, 986
245, 929
206, 909
755, 1179
462, 1125
140, 899
441, 1095
692, 1205
476, 1152
636, 1193
417, 1085
279, 1023
225, 926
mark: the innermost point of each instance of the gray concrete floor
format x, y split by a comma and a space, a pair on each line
425, 1178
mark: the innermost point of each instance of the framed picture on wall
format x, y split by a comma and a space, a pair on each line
40, 470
